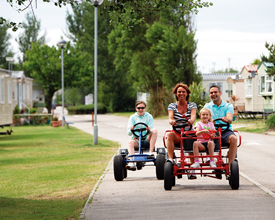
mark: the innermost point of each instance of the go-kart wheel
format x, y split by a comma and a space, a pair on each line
174, 181
134, 131
139, 165
218, 174
181, 123
160, 160
234, 178
168, 171
124, 172
118, 167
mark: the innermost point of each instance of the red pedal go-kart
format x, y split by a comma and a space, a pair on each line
181, 165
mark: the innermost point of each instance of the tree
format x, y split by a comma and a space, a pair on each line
271, 58
231, 70
197, 95
81, 30
256, 62
126, 12
30, 34
4, 44
45, 66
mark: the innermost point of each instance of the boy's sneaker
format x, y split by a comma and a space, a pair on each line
195, 165
213, 164
131, 166
207, 160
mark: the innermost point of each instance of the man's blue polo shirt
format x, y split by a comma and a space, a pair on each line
221, 111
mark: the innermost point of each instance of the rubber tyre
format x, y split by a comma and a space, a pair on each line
124, 172
139, 165
235, 178
168, 171
118, 168
160, 160
174, 181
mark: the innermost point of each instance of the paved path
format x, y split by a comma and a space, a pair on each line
142, 196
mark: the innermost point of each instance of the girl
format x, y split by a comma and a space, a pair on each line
203, 127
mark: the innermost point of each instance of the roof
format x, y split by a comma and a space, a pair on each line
218, 76
250, 68
266, 64
17, 74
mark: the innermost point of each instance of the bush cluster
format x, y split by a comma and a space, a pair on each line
270, 122
86, 109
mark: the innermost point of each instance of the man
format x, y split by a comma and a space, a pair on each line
141, 116
224, 110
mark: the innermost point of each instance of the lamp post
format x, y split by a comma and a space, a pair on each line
96, 4
62, 44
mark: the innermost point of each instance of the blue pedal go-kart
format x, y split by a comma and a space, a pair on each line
182, 163
141, 159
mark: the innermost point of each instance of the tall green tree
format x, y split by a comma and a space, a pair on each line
113, 89
4, 46
271, 58
31, 31
126, 12
44, 63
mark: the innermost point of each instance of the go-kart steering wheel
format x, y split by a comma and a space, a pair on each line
221, 125
140, 130
183, 124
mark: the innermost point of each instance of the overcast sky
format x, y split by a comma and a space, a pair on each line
231, 33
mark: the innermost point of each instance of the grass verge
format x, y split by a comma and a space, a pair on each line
48, 173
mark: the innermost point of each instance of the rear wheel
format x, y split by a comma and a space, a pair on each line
119, 168
125, 172
234, 180
168, 171
160, 160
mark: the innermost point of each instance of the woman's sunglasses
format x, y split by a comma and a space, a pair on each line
140, 108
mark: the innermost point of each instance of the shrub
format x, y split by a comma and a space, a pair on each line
86, 109
270, 122
16, 110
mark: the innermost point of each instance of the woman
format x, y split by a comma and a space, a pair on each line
182, 108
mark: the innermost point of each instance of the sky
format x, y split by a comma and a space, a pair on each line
229, 34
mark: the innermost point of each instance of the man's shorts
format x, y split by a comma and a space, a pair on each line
225, 136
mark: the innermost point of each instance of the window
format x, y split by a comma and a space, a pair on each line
218, 84
230, 90
269, 84
248, 87
266, 84
262, 84
2, 91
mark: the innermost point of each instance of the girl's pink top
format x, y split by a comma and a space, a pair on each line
203, 126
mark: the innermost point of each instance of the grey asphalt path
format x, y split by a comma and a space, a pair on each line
142, 196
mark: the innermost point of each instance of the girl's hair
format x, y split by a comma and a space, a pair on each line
209, 112
140, 102
183, 86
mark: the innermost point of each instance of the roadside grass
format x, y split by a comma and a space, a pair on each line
251, 125
48, 173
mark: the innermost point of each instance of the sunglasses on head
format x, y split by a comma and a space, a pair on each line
140, 108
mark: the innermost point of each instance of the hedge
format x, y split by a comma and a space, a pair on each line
86, 109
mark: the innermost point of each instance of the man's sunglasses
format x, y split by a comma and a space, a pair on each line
140, 108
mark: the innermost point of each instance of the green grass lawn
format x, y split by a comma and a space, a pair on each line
48, 173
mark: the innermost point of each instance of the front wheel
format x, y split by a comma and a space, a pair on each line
168, 172
160, 160
119, 168
234, 180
